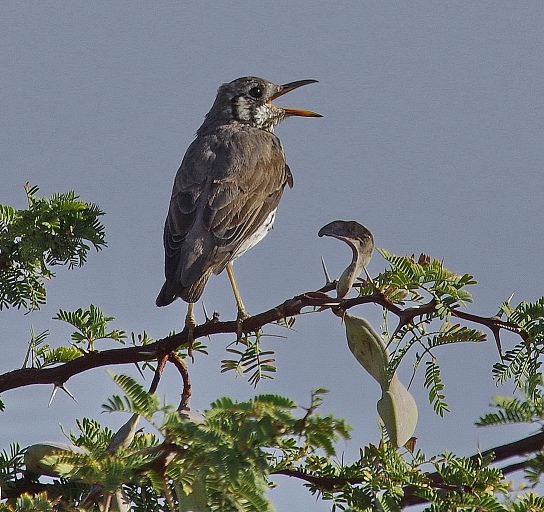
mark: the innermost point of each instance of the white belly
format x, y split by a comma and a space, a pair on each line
256, 237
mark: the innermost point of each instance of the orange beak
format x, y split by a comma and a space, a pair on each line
291, 86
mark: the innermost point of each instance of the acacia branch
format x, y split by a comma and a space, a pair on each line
531, 444
60, 374
187, 392
319, 300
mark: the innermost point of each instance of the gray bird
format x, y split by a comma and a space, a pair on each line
227, 189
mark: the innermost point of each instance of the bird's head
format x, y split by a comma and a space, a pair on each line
249, 101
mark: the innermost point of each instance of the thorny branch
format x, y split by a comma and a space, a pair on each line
319, 300
522, 447
179, 363
164, 350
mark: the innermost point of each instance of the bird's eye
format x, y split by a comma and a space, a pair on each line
256, 92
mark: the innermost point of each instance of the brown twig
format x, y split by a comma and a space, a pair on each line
161, 363
179, 363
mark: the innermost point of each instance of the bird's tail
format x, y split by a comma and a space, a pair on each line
167, 295
191, 293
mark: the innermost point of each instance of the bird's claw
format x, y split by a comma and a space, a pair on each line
242, 316
190, 342
190, 325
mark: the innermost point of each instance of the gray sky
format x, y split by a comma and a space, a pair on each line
432, 137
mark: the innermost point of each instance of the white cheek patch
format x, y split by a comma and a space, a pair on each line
243, 110
264, 116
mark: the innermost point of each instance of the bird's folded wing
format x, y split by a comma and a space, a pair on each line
227, 186
246, 189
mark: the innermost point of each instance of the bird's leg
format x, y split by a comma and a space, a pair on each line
190, 324
242, 313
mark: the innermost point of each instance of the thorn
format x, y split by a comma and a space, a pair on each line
27, 356
65, 389
403, 322
497, 337
140, 370
325, 271
208, 319
375, 289
507, 302
55, 389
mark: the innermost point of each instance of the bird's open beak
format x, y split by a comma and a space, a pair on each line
295, 111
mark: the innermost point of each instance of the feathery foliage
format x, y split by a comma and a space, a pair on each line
91, 325
251, 359
408, 280
227, 458
523, 362
429, 292
434, 383
52, 231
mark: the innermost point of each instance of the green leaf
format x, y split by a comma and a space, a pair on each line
91, 325
434, 383
137, 399
251, 359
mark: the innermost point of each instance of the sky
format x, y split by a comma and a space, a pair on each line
432, 137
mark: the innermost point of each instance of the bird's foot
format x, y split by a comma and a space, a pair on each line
242, 315
190, 324
190, 341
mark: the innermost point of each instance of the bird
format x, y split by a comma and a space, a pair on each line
227, 189
361, 241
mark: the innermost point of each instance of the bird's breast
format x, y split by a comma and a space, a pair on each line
256, 237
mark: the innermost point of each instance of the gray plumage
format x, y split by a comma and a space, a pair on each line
228, 187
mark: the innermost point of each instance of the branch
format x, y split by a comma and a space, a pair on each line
60, 374
524, 446
319, 300
187, 392
531, 444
